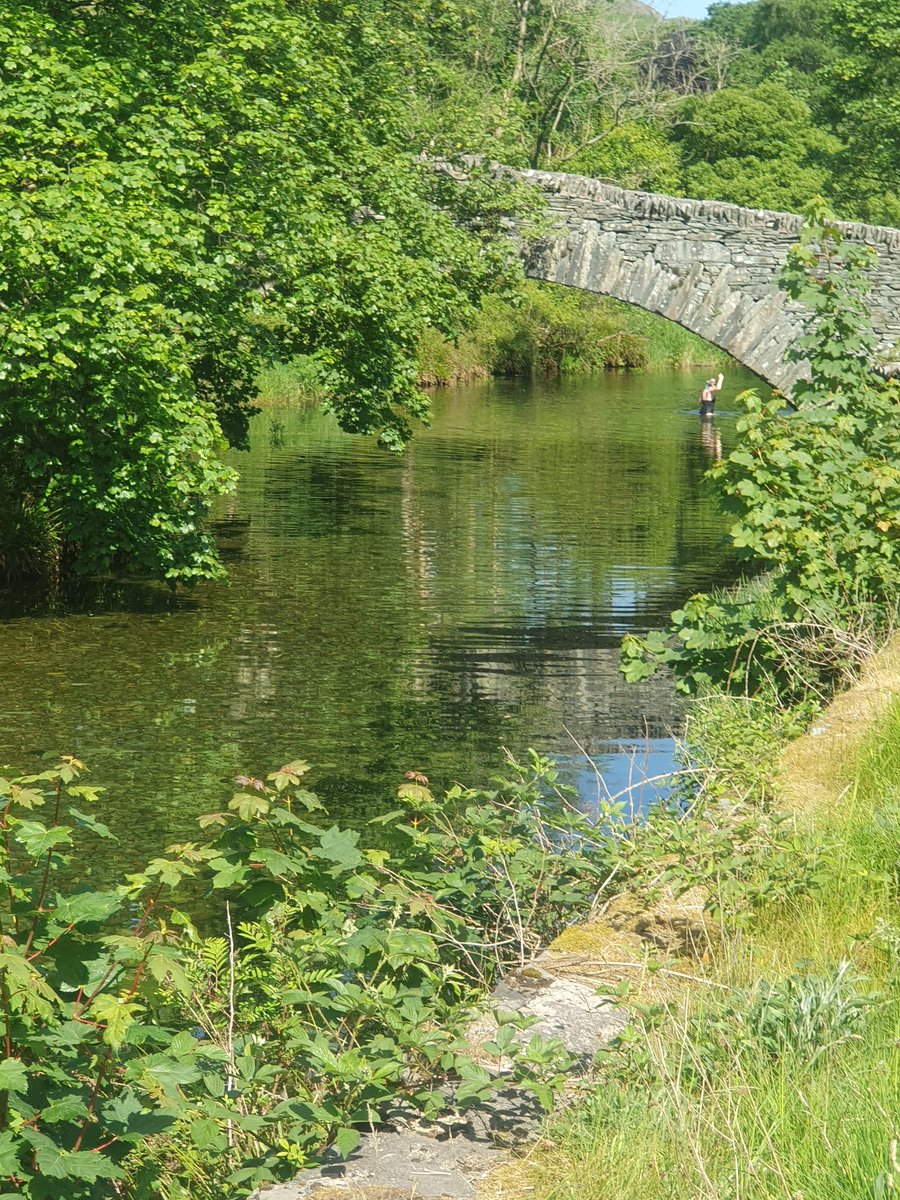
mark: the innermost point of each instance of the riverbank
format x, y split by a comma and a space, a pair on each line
763, 1057
552, 331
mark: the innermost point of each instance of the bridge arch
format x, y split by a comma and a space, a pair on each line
708, 266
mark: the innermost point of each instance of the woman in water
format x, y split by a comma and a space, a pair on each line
708, 396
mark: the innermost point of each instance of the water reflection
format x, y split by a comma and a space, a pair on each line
711, 439
384, 613
629, 775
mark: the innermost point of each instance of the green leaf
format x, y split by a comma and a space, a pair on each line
206, 1134
54, 1162
13, 1075
9, 1155
38, 839
346, 1140
117, 1015
249, 806
169, 1074
70, 1108
86, 821
340, 847
227, 874
81, 908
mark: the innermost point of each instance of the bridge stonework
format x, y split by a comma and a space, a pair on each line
710, 267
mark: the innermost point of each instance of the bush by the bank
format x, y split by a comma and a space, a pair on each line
141, 1057
815, 493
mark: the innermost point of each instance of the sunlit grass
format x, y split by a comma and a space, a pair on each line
295, 383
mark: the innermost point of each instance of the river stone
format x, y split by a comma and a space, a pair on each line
564, 1009
397, 1164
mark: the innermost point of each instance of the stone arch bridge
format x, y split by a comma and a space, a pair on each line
708, 266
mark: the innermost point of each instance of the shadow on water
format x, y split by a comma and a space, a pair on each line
387, 613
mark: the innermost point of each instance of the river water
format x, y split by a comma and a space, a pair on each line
387, 614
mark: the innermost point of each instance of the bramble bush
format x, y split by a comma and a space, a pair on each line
141, 1057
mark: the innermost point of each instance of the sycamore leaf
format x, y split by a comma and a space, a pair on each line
164, 965
13, 1076
249, 806
289, 774
86, 821
38, 839
85, 907
208, 819
417, 793
339, 846
165, 1074
70, 1108
117, 1014
227, 874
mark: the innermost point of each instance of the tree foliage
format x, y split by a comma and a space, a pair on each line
757, 146
183, 193
840, 58
189, 191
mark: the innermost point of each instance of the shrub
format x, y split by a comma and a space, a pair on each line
139, 1054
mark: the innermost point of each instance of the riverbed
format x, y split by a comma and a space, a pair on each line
387, 614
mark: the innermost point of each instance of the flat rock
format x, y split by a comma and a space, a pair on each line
397, 1164
564, 1009
410, 1160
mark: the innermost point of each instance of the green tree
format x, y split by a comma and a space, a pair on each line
840, 57
753, 146
864, 102
183, 195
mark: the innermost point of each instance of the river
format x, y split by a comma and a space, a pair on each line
386, 614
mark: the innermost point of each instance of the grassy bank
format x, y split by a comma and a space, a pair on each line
769, 1065
553, 331
296, 383
556, 330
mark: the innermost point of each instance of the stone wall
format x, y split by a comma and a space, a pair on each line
710, 267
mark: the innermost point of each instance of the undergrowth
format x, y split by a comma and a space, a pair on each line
141, 1056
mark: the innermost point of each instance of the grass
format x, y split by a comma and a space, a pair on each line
783, 1080
296, 383
557, 330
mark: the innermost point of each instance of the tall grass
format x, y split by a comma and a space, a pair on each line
556, 330
782, 1080
297, 383
30, 538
